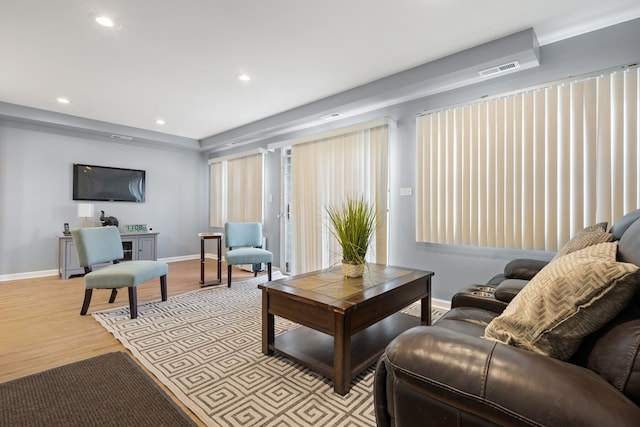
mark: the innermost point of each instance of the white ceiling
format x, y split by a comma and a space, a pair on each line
179, 60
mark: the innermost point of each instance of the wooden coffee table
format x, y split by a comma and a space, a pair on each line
346, 323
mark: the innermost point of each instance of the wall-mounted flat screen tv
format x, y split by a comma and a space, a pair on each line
102, 183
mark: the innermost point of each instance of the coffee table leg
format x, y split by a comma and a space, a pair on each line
342, 354
268, 325
425, 305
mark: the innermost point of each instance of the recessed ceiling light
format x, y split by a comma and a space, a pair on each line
105, 21
244, 77
160, 122
63, 100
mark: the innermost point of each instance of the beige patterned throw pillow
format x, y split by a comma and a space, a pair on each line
566, 301
586, 237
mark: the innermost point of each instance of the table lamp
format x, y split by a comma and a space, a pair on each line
85, 210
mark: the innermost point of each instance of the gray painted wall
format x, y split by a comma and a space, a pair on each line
35, 177
36, 184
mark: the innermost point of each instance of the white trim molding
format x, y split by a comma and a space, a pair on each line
334, 132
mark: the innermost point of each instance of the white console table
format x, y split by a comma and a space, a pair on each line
136, 246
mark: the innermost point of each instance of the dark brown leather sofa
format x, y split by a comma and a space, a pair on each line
447, 375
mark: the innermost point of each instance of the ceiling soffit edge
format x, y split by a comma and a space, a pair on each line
448, 73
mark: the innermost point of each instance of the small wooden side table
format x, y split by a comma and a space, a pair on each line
218, 238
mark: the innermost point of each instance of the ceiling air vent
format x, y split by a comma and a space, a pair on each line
509, 66
121, 137
331, 116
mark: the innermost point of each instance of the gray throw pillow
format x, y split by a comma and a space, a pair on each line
586, 237
567, 300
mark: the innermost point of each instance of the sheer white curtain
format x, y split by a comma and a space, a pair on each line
530, 169
326, 172
237, 190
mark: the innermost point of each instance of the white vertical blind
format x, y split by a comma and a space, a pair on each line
237, 190
530, 169
245, 189
218, 194
326, 172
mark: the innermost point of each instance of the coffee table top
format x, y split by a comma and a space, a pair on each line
331, 287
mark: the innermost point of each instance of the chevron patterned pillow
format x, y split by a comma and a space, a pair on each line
586, 237
567, 300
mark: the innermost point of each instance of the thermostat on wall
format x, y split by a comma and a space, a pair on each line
135, 228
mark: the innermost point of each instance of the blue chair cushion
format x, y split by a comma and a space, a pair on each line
248, 256
96, 245
242, 234
125, 274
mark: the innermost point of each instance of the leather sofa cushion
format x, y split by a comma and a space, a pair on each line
614, 351
622, 342
569, 299
432, 375
629, 244
468, 320
620, 227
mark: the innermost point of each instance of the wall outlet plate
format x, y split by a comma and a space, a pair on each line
405, 191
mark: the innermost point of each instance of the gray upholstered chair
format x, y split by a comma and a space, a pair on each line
99, 245
246, 237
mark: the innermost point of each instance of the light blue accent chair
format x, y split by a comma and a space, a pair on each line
100, 245
247, 238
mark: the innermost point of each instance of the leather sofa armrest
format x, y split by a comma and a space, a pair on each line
447, 378
509, 288
479, 296
523, 268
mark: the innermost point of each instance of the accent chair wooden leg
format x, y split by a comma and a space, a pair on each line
114, 294
229, 276
87, 300
255, 273
163, 287
269, 271
133, 302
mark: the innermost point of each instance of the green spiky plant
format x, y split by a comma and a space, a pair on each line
353, 223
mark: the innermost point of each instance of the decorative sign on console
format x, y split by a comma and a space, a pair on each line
135, 228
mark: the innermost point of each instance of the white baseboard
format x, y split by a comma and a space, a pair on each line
28, 275
441, 304
180, 258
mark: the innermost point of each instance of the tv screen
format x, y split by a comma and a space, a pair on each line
101, 183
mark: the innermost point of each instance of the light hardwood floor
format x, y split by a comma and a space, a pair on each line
41, 326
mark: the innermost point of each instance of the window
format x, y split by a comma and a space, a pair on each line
528, 170
326, 169
236, 190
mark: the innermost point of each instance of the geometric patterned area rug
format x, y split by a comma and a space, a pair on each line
205, 346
